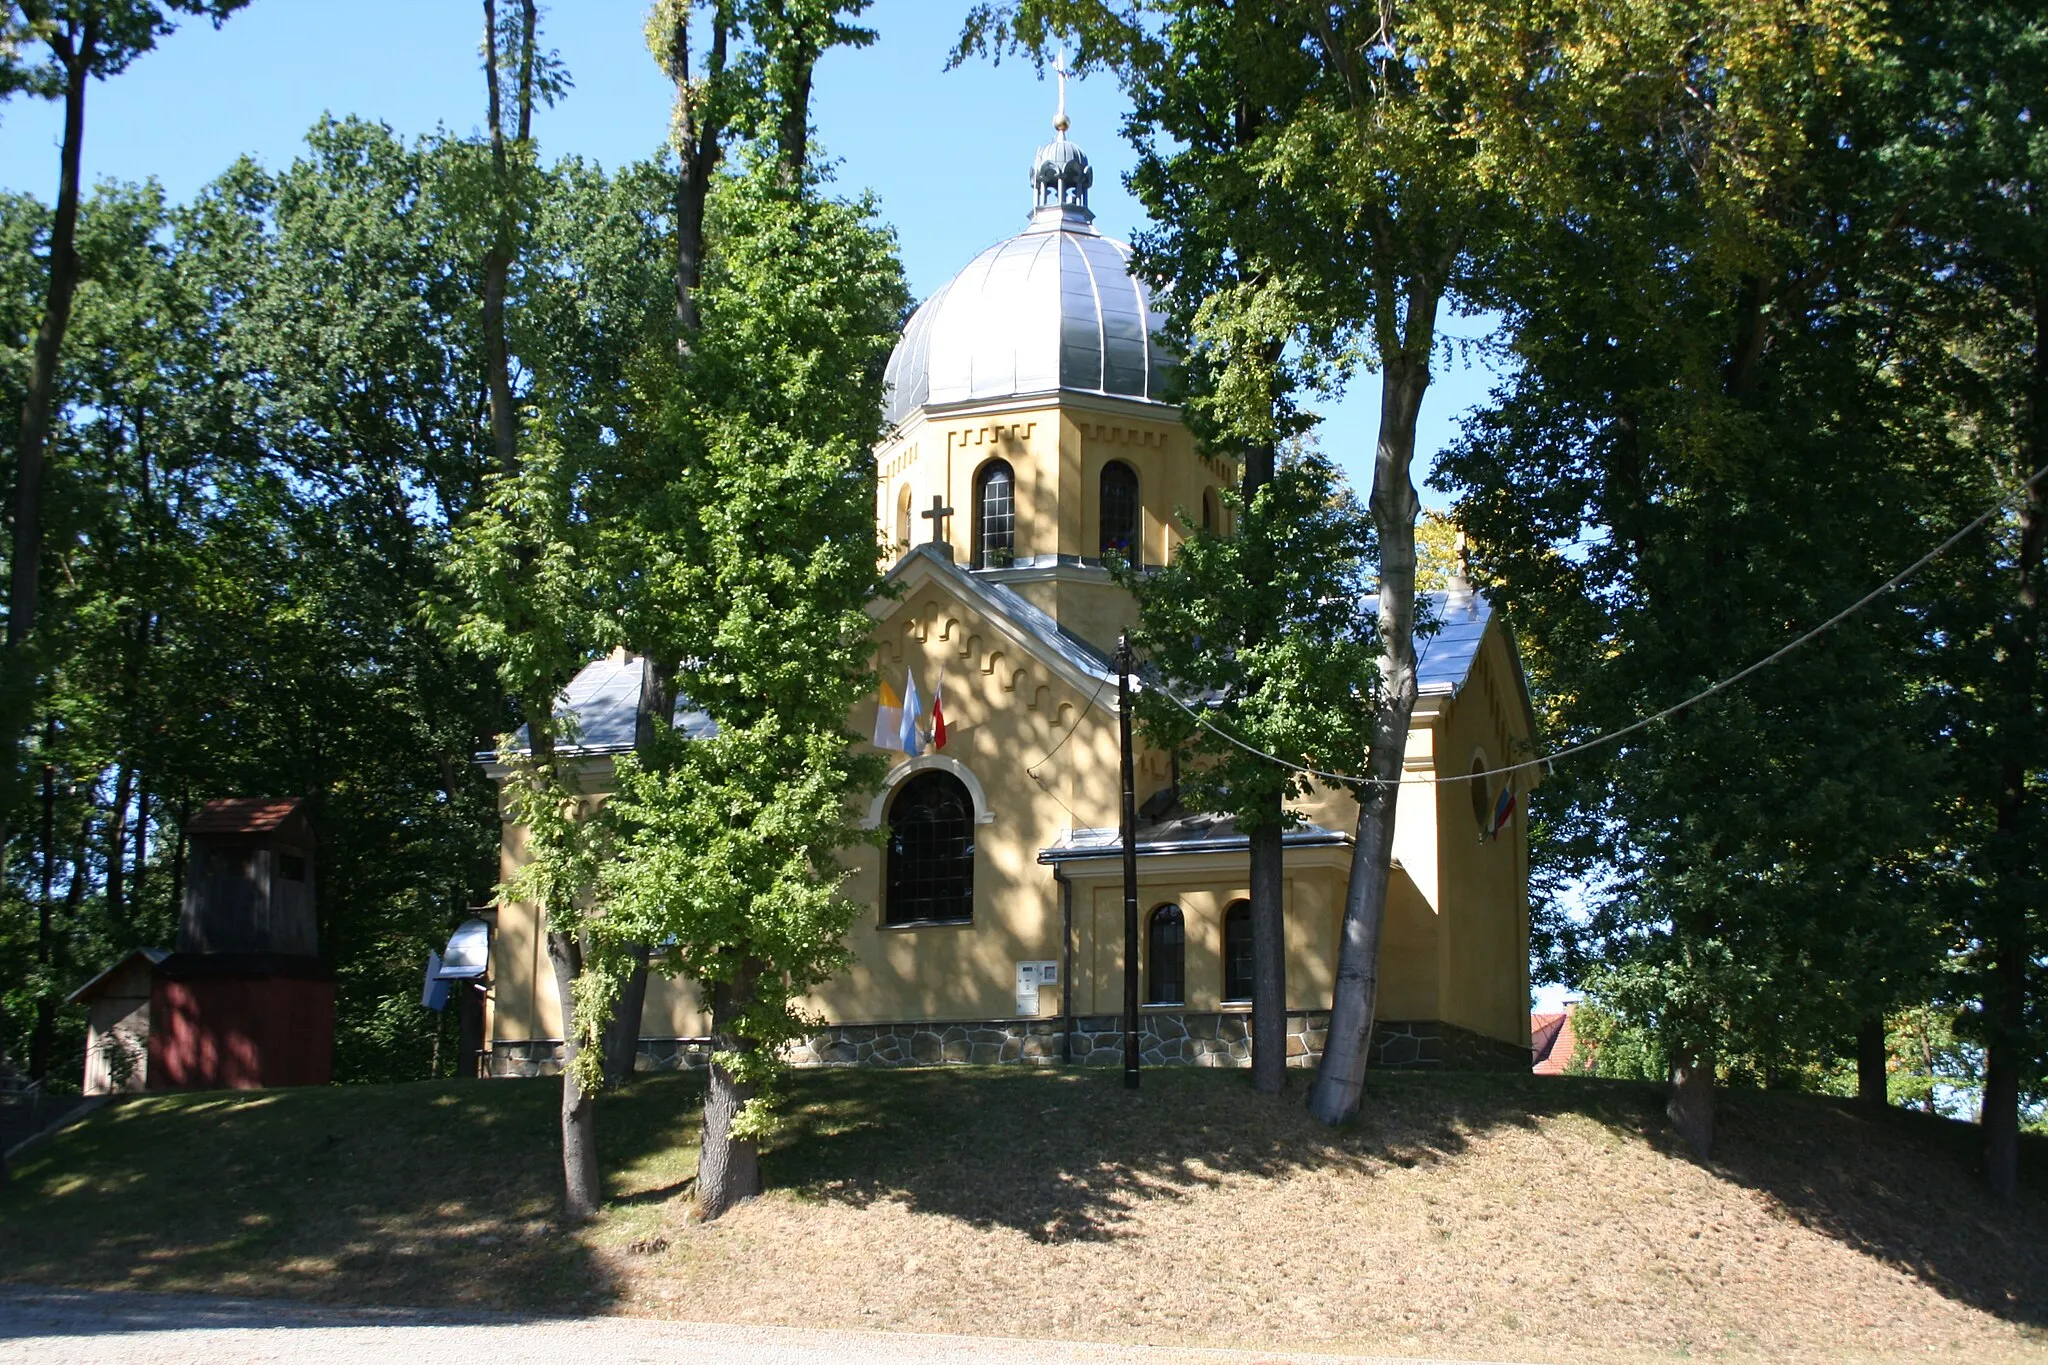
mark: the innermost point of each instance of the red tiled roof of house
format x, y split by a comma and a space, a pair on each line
1552, 1042
243, 815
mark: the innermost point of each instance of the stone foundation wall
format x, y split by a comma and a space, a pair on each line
1166, 1038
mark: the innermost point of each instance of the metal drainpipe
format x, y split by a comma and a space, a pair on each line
1059, 874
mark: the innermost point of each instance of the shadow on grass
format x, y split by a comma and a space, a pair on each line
1898, 1186
442, 1193
1068, 1155
448, 1193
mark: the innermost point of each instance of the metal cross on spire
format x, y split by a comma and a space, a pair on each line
1060, 69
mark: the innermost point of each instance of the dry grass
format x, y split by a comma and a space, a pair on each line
1530, 1218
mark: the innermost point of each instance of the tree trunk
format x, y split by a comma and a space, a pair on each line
2000, 1114
622, 1033
497, 269
178, 850
23, 587
43, 1041
728, 1168
581, 1190
2005, 993
1873, 1069
1340, 1079
699, 144
1269, 958
795, 132
1691, 1106
117, 842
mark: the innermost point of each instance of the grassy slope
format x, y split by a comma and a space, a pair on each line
1481, 1215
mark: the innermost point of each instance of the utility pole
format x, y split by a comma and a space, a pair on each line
1130, 833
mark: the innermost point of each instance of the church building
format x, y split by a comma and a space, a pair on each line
1031, 436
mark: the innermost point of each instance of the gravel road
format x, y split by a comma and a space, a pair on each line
59, 1327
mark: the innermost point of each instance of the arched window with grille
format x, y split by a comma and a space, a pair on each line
995, 516
930, 854
1237, 951
1166, 941
1120, 512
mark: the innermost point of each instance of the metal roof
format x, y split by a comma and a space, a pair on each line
1197, 832
1444, 660
603, 700
1055, 307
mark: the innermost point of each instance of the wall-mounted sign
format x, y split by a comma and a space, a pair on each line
1030, 976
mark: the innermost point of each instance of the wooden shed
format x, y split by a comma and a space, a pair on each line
117, 1005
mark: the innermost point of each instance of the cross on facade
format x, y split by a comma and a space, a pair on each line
937, 517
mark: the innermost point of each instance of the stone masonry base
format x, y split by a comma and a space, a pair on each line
1166, 1038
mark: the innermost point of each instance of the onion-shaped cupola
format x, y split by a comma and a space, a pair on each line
1054, 308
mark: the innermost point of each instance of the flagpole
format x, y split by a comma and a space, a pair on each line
1130, 840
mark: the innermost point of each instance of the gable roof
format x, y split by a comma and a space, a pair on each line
150, 955
245, 815
604, 696
603, 703
1061, 649
1552, 1042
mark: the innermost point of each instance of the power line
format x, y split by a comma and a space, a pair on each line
1032, 768
1896, 581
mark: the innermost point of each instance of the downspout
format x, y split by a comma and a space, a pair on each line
1059, 874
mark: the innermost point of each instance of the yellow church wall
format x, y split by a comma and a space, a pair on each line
1057, 453
1453, 938
524, 1002
1203, 885
1483, 953
1004, 711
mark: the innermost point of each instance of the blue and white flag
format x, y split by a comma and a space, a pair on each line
913, 712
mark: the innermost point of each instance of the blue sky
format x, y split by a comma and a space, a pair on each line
947, 152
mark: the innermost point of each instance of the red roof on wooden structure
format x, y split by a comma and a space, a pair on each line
1552, 1042
244, 815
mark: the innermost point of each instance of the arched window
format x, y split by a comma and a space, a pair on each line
1237, 951
995, 516
1166, 941
903, 516
930, 873
1211, 511
1482, 809
1120, 511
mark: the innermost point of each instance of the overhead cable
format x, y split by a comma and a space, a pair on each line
1891, 584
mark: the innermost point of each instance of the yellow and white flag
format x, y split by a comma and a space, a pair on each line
889, 719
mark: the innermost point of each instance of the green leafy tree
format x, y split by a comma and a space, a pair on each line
1684, 474
1975, 360
1400, 149
1261, 628
74, 42
766, 559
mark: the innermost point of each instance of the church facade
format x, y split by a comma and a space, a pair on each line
1031, 438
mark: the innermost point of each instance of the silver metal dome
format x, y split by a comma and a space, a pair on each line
1054, 307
